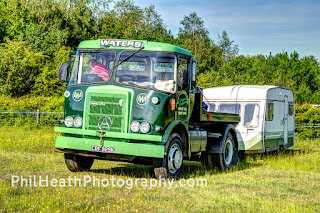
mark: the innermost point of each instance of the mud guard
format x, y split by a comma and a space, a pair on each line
216, 146
168, 132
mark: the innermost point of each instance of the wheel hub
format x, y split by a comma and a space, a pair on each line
228, 152
175, 158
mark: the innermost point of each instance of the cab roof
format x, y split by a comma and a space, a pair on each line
124, 44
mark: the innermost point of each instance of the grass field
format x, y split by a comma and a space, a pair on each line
289, 182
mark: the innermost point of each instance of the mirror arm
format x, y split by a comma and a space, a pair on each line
61, 84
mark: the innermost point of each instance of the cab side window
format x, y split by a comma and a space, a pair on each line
183, 73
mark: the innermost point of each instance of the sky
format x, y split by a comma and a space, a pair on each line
258, 27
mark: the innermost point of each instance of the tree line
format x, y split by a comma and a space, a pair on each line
37, 35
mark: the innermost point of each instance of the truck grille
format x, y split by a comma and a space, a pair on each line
106, 104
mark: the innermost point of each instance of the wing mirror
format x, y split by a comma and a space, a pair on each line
63, 72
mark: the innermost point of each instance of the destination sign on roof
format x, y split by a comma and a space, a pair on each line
117, 43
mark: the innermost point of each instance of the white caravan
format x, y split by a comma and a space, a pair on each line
267, 114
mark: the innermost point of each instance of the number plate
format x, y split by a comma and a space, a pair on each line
103, 149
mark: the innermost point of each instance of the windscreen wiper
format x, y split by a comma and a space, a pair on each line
128, 57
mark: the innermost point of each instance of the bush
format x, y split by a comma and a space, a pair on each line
32, 103
307, 114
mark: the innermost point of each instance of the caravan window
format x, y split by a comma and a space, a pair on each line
211, 107
251, 115
291, 109
269, 116
230, 108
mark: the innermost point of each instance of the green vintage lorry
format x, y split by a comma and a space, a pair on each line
138, 101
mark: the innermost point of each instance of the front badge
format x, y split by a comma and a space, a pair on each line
77, 95
142, 99
104, 123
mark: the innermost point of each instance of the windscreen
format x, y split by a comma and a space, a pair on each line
154, 70
92, 67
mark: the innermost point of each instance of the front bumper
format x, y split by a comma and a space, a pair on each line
143, 145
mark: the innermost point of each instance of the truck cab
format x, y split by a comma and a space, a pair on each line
138, 100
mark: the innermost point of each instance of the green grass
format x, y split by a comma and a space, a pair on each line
289, 182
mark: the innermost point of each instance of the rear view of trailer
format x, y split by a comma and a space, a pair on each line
267, 115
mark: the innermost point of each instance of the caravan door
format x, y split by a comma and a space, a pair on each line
252, 124
285, 121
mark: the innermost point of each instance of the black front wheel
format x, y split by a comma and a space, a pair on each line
77, 163
171, 164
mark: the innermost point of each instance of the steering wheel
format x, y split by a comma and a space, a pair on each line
92, 77
98, 74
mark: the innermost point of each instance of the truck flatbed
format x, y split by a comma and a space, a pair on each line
220, 117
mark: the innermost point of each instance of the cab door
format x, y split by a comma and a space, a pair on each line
183, 87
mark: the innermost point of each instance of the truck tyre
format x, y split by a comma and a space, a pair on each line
77, 163
172, 163
228, 156
174, 159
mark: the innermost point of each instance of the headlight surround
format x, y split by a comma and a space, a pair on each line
67, 94
135, 126
68, 121
145, 127
77, 121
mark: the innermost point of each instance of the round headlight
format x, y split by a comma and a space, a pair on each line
135, 126
77, 121
68, 121
155, 100
145, 127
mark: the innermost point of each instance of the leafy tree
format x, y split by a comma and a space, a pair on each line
229, 49
12, 19
36, 36
130, 21
193, 35
47, 79
52, 24
19, 68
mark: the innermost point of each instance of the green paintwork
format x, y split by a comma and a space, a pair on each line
106, 95
169, 129
182, 106
220, 117
148, 46
103, 99
156, 115
123, 148
271, 142
133, 136
255, 143
290, 141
